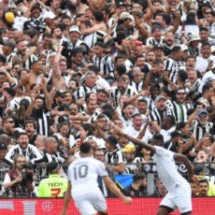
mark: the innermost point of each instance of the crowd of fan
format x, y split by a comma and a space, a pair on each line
69, 70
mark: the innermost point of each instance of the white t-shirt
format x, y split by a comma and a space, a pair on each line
167, 169
83, 174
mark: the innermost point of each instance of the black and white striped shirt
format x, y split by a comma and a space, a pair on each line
156, 115
83, 90
151, 41
57, 157
200, 130
173, 67
179, 110
115, 157
42, 118
31, 153
105, 64
138, 86
116, 94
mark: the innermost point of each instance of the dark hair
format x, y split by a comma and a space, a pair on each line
99, 16
138, 176
21, 134
88, 127
85, 147
203, 180
180, 125
30, 121
158, 137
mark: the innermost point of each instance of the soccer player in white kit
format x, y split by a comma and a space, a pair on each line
179, 190
83, 186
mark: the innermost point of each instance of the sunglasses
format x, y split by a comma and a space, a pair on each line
11, 121
207, 13
203, 115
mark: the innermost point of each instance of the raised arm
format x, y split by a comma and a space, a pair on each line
135, 140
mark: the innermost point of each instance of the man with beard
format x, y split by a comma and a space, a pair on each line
179, 106
31, 128
160, 111
172, 65
34, 77
200, 124
168, 43
203, 187
30, 152
136, 127
206, 60
122, 88
18, 180
40, 111
138, 187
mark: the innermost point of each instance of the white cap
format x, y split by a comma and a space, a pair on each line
74, 28
184, 47
212, 49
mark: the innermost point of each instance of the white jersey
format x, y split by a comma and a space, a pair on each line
83, 174
167, 169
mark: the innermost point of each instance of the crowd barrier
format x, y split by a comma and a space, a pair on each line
139, 206
148, 168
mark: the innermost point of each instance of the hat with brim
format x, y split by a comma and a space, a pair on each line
74, 28
125, 15
193, 38
160, 97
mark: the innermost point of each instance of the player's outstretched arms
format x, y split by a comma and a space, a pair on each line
115, 190
182, 158
67, 198
134, 140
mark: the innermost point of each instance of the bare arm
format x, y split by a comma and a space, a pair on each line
120, 167
135, 140
116, 191
56, 68
9, 184
181, 158
67, 198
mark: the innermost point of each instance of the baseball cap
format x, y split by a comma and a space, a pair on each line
156, 26
120, 3
9, 17
160, 97
74, 28
52, 166
158, 46
9, 43
184, 47
202, 113
125, 15
176, 48
129, 148
3, 146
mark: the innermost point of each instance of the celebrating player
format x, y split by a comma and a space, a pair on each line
83, 186
179, 191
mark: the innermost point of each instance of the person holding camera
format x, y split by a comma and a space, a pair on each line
18, 181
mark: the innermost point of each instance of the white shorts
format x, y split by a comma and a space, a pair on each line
90, 203
179, 197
